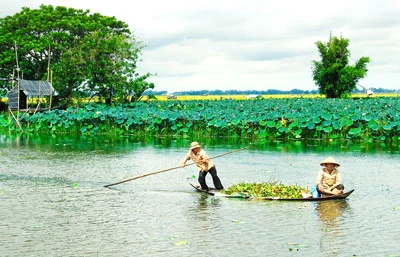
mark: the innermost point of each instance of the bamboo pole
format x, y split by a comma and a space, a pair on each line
50, 77
51, 89
18, 85
16, 120
173, 168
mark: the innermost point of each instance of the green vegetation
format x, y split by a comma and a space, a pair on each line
88, 54
265, 189
365, 119
334, 77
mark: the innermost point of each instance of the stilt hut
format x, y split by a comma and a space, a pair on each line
25, 89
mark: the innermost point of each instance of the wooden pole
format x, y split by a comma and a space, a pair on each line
16, 120
51, 89
50, 77
173, 168
18, 85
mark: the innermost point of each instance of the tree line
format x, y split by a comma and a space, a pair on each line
76, 50
259, 92
87, 54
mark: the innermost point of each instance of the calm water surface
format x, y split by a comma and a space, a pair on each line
53, 203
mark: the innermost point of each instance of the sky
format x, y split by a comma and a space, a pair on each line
249, 45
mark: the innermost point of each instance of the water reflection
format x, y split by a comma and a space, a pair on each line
116, 143
330, 214
329, 211
203, 212
203, 203
206, 203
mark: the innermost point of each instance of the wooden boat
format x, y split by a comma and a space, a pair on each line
210, 191
215, 192
311, 199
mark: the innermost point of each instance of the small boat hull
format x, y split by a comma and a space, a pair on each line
311, 199
210, 191
215, 192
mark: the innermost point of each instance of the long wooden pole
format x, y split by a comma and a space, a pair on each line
173, 168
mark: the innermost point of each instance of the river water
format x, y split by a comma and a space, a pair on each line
53, 203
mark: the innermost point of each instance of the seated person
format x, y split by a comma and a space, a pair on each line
329, 181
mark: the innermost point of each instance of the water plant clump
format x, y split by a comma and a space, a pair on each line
265, 189
366, 120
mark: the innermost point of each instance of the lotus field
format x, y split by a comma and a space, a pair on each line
366, 119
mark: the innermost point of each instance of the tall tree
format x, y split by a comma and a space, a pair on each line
112, 60
334, 77
78, 44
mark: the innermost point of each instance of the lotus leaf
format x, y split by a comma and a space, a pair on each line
373, 124
389, 126
336, 125
355, 131
327, 123
271, 124
326, 115
235, 121
294, 124
328, 129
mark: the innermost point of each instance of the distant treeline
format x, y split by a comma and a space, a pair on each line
257, 92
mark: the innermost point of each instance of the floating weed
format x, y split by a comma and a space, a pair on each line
172, 237
36, 227
268, 171
74, 185
396, 208
291, 249
214, 200
296, 246
239, 222
177, 243
302, 246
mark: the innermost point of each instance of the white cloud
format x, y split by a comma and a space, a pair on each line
221, 44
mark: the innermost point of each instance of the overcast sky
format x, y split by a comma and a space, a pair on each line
253, 44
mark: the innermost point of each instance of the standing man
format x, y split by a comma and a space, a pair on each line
204, 164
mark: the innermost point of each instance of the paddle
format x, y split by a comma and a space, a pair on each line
173, 168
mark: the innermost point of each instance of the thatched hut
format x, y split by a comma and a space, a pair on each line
25, 89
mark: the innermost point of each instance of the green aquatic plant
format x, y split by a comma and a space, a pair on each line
365, 120
265, 189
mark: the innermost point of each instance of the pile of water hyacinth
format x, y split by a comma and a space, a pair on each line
265, 189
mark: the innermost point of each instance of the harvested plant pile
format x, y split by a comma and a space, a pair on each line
265, 189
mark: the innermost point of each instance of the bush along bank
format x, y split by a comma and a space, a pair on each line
364, 119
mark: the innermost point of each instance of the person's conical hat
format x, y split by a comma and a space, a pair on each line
330, 160
194, 145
